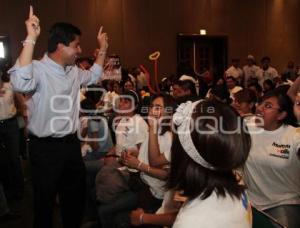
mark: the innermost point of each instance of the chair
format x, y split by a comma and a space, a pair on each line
263, 220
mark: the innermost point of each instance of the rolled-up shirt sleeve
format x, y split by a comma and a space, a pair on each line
91, 76
22, 78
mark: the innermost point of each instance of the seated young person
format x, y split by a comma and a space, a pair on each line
203, 159
153, 176
272, 169
210, 143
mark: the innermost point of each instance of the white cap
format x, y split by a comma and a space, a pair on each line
250, 57
163, 79
187, 77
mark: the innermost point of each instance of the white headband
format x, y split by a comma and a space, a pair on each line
182, 119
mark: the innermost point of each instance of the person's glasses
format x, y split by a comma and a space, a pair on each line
269, 106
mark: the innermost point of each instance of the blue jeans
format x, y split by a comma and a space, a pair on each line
287, 215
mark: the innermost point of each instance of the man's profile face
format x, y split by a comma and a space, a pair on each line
70, 53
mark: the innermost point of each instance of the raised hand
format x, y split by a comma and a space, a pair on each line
33, 25
102, 40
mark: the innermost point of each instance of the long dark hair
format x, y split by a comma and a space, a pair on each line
285, 103
169, 107
225, 151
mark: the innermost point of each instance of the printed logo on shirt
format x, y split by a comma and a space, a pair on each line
281, 150
247, 207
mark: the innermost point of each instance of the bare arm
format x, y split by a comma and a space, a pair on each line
138, 217
293, 90
160, 219
33, 32
102, 40
156, 158
133, 162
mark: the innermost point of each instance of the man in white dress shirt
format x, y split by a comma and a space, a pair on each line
266, 71
235, 71
54, 81
250, 70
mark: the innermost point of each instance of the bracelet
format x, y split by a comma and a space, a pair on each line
101, 53
140, 164
28, 41
142, 218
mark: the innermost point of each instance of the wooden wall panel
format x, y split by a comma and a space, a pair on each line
110, 15
85, 17
138, 27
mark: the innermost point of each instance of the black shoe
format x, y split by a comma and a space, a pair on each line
10, 216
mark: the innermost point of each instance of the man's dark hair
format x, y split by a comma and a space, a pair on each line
63, 33
188, 85
265, 58
257, 86
225, 151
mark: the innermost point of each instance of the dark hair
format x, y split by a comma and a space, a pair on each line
188, 85
248, 96
245, 95
88, 107
270, 83
134, 96
83, 59
221, 93
169, 105
286, 105
63, 33
257, 86
94, 93
265, 58
225, 151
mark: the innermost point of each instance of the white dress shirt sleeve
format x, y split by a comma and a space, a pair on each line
22, 78
91, 76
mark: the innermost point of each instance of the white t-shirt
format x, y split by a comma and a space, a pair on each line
156, 185
130, 132
270, 73
235, 72
215, 212
234, 90
7, 104
272, 169
250, 72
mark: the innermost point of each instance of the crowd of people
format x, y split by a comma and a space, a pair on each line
202, 152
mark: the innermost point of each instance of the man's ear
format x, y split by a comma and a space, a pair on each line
60, 46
